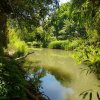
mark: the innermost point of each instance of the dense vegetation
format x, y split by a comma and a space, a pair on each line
16, 16
72, 26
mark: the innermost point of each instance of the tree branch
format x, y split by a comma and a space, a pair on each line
23, 56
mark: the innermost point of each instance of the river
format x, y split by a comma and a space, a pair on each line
64, 78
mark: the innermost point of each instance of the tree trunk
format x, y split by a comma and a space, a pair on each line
3, 30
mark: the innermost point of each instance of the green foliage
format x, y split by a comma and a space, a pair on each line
16, 44
71, 29
80, 30
19, 83
1, 50
20, 48
57, 19
11, 80
41, 37
26, 15
27, 11
58, 44
66, 44
39, 34
86, 12
89, 54
77, 31
34, 44
62, 27
74, 43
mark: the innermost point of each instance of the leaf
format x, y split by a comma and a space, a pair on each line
87, 72
90, 96
98, 96
84, 96
82, 93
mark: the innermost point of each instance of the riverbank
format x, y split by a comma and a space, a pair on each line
88, 55
59, 64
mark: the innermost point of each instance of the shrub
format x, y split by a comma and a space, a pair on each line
65, 44
29, 44
74, 44
36, 44
58, 44
16, 44
21, 48
89, 55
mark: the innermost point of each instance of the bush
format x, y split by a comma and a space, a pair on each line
65, 44
16, 44
74, 44
11, 80
58, 44
29, 44
89, 55
20, 48
34, 44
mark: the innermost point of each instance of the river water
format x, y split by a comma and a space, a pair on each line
64, 78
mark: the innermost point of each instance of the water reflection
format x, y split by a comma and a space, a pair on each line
35, 84
46, 85
65, 70
53, 88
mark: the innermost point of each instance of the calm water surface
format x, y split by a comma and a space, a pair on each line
64, 79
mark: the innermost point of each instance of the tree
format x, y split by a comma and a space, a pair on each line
63, 25
26, 12
58, 17
86, 12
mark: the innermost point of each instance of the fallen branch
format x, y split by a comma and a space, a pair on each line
23, 56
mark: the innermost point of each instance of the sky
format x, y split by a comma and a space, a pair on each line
63, 1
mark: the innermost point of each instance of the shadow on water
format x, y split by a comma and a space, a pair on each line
17, 84
54, 89
61, 75
48, 85
30, 84
35, 83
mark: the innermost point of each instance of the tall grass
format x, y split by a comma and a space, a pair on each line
16, 44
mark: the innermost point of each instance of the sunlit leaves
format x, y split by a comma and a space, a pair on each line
86, 12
